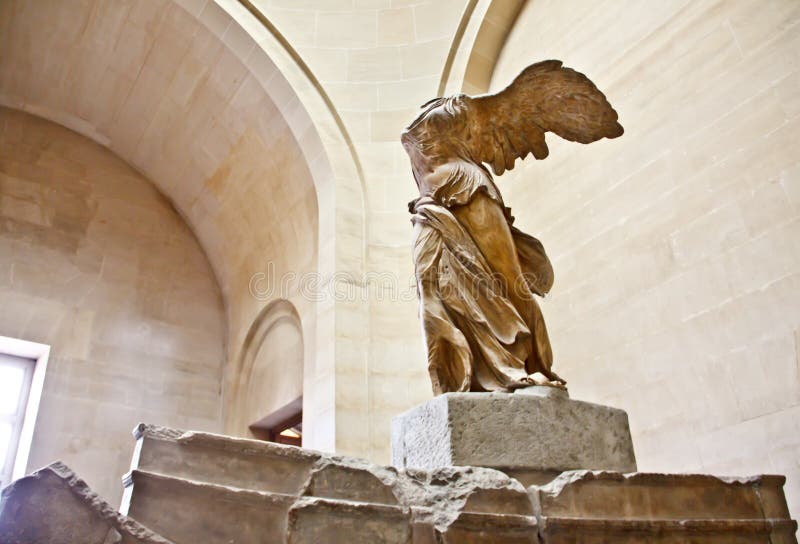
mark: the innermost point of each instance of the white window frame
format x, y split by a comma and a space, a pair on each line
39, 354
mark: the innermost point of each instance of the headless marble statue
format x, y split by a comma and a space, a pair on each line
476, 273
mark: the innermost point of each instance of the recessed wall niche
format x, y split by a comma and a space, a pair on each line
270, 369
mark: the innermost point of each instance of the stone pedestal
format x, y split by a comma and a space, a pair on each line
194, 487
533, 434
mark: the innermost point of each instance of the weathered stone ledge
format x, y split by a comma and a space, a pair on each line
601, 494
224, 443
689, 526
205, 490
687, 479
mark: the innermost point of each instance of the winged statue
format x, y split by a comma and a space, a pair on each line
476, 273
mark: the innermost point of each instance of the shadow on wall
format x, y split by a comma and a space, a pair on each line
269, 372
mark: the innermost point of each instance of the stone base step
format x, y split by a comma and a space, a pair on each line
641, 495
199, 487
188, 512
696, 531
223, 460
579, 505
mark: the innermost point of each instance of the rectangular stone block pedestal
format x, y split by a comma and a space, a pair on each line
532, 435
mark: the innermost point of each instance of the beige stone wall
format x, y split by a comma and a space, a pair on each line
676, 247
187, 96
184, 91
95, 262
377, 60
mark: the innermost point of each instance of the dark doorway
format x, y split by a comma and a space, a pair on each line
284, 425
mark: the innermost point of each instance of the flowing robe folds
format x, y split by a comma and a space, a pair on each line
476, 338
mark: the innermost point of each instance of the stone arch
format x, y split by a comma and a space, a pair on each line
482, 32
254, 99
272, 352
340, 184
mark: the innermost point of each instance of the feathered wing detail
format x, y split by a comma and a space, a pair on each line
545, 97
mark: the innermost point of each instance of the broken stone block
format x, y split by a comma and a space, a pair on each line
190, 512
471, 528
452, 505
190, 496
223, 460
182, 487
313, 520
54, 506
351, 480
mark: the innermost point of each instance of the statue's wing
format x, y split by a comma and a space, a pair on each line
545, 97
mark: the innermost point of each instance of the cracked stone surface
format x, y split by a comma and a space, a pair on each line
521, 434
602, 494
318, 493
318, 497
188, 488
54, 506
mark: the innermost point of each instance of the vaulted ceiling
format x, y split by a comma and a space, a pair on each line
186, 96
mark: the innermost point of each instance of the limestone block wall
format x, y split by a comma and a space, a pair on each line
95, 262
676, 247
378, 61
185, 95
